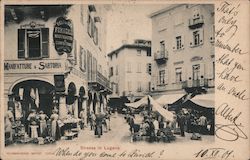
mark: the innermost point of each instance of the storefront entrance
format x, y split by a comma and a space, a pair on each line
35, 94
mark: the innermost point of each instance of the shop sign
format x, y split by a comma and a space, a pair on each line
63, 35
34, 66
59, 83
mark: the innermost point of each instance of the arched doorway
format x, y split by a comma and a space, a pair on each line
95, 99
71, 97
35, 94
81, 99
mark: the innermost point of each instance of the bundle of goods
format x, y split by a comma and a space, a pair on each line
195, 137
167, 135
25, 139
70, 135
49, 140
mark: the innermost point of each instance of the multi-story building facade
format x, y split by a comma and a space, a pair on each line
130, 68
54, 57
183, 49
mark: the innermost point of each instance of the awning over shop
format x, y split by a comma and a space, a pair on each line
139, 103
155, 107
169, 99
204, 100
165, 113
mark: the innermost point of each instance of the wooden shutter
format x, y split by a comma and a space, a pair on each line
201, 31
184, 74
202, 70
45, 42
166, 76
21, 43
182, 41
85, 60
75, 51
81, 58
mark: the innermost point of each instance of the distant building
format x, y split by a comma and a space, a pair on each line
130, 69
183, 49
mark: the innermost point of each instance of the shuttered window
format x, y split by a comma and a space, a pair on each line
33, 43
75, 52
21, 43
149, 68
45, 42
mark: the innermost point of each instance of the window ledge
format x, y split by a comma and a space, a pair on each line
162, 84
179, 24
40, 58
179, 50
198, 45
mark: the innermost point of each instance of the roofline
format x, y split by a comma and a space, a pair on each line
164, 10
128, 46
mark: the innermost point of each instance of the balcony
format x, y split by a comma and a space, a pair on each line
100, 82
170, 87
208, 83
196, 22
161, 56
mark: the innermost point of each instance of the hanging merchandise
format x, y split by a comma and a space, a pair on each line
21, 92
37, 97
32, 93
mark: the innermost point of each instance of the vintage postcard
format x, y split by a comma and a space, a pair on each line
130, 79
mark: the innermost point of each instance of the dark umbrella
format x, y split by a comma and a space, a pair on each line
100, 116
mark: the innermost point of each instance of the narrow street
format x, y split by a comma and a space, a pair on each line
119, 133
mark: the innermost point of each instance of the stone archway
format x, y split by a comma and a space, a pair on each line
34, 94
81, 99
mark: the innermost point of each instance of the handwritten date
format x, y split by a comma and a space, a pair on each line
212, 153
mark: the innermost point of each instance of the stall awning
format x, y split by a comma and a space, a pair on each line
204, 100
169, 99
139, 103
165, 113
155, 107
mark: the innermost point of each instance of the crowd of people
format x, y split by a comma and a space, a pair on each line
157, 128
196, 122
99, 123
153, 127
35, 125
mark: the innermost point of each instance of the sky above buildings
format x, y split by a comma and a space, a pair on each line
128, 22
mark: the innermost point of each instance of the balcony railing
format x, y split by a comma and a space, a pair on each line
196, 22
101, 82
208, 83
161, 56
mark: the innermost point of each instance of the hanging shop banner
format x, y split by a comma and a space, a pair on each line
63, 35
59, 83
34, 66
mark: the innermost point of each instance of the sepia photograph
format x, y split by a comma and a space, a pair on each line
110, 74
65, 80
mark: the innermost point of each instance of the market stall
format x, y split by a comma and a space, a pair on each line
171, 101
148, 100
150, 119
202, 107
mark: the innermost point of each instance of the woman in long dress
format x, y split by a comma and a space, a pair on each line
8, 126
54, 126
43, 125
32, 122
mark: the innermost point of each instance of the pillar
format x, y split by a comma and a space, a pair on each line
84, 106
62, 107
75, 105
